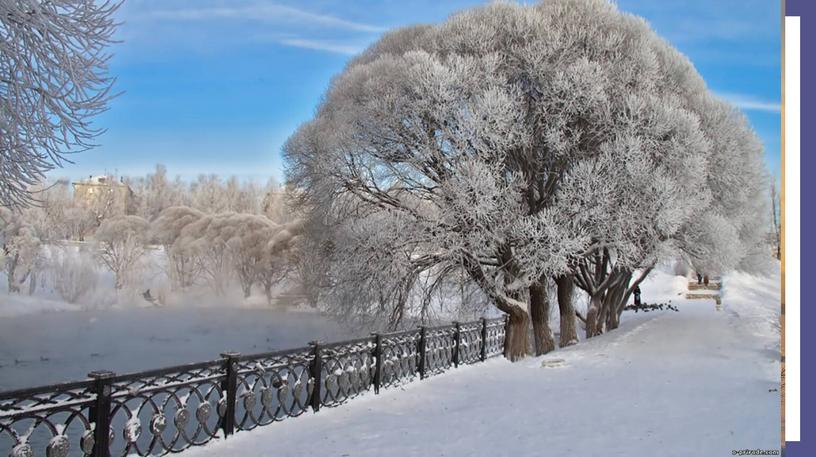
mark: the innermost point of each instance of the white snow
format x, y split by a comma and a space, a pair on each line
695, 382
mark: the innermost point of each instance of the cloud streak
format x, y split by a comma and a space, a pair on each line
751, 103
265, 13
322, 45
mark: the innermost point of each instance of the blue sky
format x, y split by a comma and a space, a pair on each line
216, 86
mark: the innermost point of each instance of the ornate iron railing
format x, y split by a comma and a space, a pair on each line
164, 411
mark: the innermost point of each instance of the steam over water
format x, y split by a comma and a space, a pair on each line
38, 349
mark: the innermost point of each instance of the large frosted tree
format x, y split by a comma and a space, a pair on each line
53, 79
510, 145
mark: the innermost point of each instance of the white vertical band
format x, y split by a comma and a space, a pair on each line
791, 222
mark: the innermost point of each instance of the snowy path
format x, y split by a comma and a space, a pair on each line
697, 382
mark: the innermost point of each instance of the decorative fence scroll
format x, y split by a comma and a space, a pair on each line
164, 411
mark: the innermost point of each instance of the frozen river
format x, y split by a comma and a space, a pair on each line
39, 349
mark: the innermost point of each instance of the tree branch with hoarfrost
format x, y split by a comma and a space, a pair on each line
54, 80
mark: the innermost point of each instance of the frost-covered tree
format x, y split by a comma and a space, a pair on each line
207, 194
48, 214
513, 144
207, 238
776, 228
310, 261
248, 199
54, 80
247, 237
73, 274
120, 246
21, 249
731, 232
156, 192
80, 222
274, 204
279, 256
183, 264
225, 246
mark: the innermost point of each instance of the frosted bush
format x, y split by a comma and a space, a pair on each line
74, 276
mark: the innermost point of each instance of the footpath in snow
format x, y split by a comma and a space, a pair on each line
698, 382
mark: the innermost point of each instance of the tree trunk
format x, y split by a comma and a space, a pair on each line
516, 339
613, 321
594, 324
13, 287
32, 283
614, 304
268, 292
540, 315
569, 334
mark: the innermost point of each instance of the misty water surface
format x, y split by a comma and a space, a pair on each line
47, 348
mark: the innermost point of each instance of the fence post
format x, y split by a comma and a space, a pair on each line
422, 344
378, 362
229, 387
100, 412
504, 337
484, 339
458, 337
316, 372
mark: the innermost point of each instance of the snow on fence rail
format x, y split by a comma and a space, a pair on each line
157, 412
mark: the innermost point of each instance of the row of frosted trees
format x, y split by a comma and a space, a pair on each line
512, 148
199, 247
58, 215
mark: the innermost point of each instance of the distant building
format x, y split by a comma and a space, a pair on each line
105, 196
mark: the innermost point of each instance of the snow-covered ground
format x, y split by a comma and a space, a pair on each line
695, 382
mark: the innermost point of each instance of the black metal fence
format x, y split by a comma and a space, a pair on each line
168, 410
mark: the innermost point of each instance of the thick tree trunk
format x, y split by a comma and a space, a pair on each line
613, 321
540, 315
516, 345
516, 339
594, 324
569, 332
614, 304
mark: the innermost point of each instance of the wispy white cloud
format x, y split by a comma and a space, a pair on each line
751, 103
265, 12
322, 45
